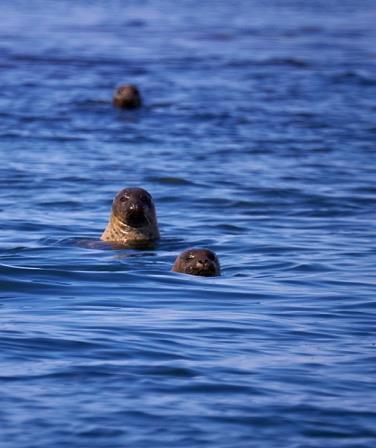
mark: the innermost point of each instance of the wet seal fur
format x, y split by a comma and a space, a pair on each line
133, 220
127, 96
198, 261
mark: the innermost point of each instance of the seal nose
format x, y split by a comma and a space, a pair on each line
136, 214
136, 207
206, 264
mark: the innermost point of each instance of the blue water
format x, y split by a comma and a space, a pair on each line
257, 140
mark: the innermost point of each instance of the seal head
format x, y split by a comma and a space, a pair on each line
133, 221
127, 97
202, 262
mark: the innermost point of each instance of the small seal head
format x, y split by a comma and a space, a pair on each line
202, 262
127, 97
133, 221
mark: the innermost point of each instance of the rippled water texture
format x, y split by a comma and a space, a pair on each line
257, 139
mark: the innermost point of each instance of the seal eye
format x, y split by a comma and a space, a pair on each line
124, 198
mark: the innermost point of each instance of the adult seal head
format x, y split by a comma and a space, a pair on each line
127, 97
133, 221
202, 262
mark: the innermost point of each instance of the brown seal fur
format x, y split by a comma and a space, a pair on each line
202, 262
127, 97
133, 221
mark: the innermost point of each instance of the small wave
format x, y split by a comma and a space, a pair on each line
354, 77
170, 180
288, 62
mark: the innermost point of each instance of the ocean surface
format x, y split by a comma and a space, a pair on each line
257, 139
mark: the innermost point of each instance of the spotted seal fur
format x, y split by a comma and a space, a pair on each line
133, 220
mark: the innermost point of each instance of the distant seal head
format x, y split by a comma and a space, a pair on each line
133, 221
127, 96
202, 262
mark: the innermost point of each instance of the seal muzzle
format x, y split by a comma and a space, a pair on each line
136, 216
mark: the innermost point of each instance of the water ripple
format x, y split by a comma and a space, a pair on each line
252, 144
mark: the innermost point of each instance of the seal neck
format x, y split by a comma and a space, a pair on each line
118, 231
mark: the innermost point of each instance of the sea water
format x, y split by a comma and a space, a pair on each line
257, 140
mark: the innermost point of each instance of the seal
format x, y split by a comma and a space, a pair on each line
133, 221
127, 96
198, 261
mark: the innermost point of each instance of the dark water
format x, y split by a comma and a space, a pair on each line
257, 140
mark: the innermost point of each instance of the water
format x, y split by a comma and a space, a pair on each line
257, 140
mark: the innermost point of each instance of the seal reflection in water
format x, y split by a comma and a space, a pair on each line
133, 221
127, 97
202, 262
